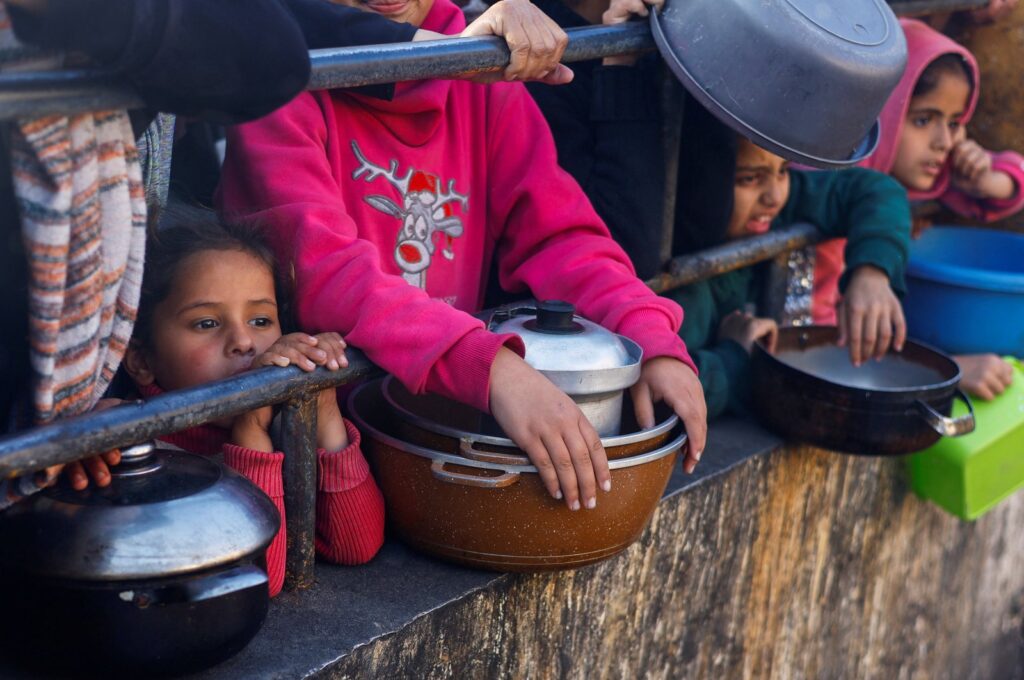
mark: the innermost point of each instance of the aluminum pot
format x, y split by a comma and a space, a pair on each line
497, 514
805, 79
446, 425
810, 391
586, 361
161, 572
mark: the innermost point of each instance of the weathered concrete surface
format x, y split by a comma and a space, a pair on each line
800, 564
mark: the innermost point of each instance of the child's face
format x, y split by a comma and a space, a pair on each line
931, 129
221, 313
760, 191
405, 11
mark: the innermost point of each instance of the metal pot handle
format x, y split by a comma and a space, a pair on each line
499, 482
467, 449
949, 427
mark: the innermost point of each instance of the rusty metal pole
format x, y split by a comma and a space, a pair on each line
298, 429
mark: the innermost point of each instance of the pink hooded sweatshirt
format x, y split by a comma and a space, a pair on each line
391, 214
924, 45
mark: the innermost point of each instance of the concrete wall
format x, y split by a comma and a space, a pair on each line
798, 564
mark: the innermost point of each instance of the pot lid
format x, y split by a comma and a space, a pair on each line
165, 512
557, 340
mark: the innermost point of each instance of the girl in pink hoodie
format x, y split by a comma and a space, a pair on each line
392, 214
924, 145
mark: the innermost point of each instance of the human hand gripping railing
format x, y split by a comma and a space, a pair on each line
75, 438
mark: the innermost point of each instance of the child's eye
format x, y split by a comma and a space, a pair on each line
205, 324
262, 322
784, 171
745, 180
920, 121
954, 125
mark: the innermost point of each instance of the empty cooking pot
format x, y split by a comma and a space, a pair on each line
492, 511
810, 391
805, 79
161, 571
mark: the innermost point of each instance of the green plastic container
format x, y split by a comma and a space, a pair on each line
970, 475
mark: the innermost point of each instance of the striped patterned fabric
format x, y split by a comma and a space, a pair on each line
78, 183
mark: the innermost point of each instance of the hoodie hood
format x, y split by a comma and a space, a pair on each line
417, 109
924, 45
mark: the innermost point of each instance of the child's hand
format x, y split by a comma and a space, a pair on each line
746, 329
621, 11
870, 316
973, 174
305, 351
549, 426
670, 380
331, 434
252, 430
984, 375
96, 468
534, 39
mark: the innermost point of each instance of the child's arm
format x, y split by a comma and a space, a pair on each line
555, 245
872, 211
985, 186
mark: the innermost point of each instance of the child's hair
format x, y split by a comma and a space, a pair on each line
948, 64
185, 230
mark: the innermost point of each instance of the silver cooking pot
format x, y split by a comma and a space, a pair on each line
589, 363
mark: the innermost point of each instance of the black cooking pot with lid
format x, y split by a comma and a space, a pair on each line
805, 79
162, 571
809, 391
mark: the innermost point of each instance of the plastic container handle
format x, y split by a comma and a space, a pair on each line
948, 427
499, 482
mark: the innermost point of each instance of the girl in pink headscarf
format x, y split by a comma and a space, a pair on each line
924, 145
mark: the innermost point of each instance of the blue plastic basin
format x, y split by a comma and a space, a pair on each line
965, 290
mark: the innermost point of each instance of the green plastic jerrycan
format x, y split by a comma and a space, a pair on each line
970, 475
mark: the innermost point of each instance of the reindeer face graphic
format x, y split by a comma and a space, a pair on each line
425, 211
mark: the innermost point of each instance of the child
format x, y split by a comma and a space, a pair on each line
924, 145
209, 310
392, 212
868, 207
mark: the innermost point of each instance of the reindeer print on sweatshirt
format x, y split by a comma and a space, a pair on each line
424, 212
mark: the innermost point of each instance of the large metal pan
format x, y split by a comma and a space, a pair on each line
498, 515
810, 391
805, 79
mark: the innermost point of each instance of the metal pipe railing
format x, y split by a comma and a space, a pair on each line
70, 91
921, 7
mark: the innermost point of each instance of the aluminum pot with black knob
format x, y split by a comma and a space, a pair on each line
586, 361
160, 572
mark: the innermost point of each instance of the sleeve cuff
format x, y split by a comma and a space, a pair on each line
652, 331
345, 469
464, 371
261, 468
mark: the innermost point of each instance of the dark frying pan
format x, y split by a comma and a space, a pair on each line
810, 391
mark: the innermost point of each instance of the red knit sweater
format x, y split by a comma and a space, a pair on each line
349, 506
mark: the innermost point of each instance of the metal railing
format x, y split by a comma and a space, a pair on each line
40, 93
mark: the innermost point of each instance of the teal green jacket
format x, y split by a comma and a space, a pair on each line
868, 208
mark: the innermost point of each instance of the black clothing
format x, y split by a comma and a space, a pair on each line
223, 60
608, 129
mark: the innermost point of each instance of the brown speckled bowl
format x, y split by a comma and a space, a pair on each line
498, 515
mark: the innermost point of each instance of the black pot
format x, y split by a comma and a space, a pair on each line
161, 572
809, 391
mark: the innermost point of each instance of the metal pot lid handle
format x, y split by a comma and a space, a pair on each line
944, 425
437, 467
